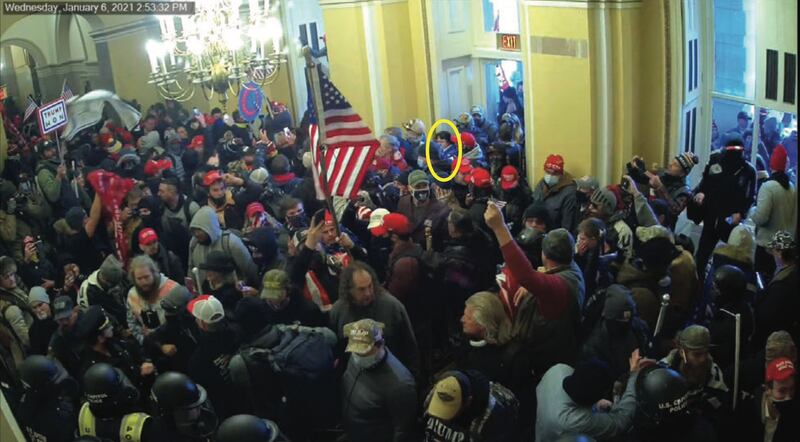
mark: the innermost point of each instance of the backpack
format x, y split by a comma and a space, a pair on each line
289, 351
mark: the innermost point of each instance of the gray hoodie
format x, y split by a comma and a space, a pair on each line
206, 220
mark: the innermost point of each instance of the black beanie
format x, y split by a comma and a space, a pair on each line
589, 382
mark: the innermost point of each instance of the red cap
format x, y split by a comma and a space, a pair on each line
554, 164
147, 236
253, 209
197, 142
480, 178
467, 139
152, 167
509, 177
397, 223
777, 162
105, 139
212, 176
328, 217
466, 166
780, 369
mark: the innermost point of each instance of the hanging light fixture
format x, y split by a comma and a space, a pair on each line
223, 45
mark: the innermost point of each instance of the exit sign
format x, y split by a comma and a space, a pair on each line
508, 42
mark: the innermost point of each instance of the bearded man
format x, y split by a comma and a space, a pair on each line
145, 312
708, 393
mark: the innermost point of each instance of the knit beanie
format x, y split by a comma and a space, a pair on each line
777, 162
605, 198
74, 217
37, 295
590, 380
687, 160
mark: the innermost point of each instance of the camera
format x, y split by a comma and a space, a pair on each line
135, 211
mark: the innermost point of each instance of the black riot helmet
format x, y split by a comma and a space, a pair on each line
730, 281
247, 428
184, 404
40, 373
108, 390
661, 398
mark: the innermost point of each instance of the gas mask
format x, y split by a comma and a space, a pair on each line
421, 195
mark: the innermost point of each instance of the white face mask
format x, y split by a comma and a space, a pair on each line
551, 180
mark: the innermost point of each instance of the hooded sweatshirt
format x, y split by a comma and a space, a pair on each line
206, 220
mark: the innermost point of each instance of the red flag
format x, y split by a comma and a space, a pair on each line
112, 190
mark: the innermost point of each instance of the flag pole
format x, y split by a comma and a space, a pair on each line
316, 99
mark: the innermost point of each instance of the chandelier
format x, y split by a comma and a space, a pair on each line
222, 46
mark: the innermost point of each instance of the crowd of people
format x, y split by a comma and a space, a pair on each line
181, 281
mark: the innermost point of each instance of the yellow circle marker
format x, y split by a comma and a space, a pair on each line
428, 150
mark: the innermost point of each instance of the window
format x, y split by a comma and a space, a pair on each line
731, 119
735, 48
501, 16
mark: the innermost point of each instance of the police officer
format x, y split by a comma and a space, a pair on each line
728, 188
662, 409
47, 408
112, 409
183, 408
247, 428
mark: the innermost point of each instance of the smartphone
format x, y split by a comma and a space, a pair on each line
319, 216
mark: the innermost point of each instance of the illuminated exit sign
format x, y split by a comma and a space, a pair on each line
508, 42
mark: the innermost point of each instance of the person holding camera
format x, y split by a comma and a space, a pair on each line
669, 184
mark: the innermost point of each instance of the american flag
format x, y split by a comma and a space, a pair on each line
31, 108
66, 92
350, 143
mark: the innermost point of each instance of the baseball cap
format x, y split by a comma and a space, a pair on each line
253, 209
781, 240
695, 337
397, 223
375, 225
780, 369
467, 139
417, 177
212, 176
509, 177
259, 176
476, 110
555, 164
275, 282
619, 305
362, 335
448, 396
587, 182
465, 168
62, 307
206, 308
480, 178
147, 236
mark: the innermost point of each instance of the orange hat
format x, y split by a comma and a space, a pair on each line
397, 223
554, 164
147, 236
509, 177
467, 139
480, 178
212, 176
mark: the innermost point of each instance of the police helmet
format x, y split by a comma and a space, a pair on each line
247, 428
661, 397
179, 398
107, 387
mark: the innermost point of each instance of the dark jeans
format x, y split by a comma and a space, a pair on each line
714, 230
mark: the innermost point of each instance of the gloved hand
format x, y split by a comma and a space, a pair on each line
11, 206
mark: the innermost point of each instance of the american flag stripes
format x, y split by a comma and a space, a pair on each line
350, 143
66, 92
32, 106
